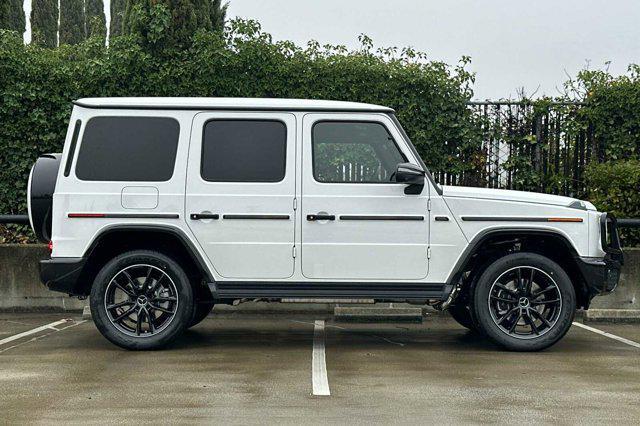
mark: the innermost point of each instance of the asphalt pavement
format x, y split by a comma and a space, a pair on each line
247, 370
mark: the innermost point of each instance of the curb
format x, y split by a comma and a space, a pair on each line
360, 314
86, 313
612, 315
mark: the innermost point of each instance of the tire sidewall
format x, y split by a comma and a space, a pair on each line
490, 275
183, 315
200, 312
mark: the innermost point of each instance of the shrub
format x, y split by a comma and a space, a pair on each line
615, 187
37, 86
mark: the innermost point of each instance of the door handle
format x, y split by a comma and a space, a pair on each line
199, 216
314, 217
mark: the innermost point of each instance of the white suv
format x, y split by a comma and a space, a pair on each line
158, 208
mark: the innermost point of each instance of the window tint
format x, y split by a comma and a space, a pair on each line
349, 152
128, 149
244, 151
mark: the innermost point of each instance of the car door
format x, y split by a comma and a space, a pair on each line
357, 223
240, 191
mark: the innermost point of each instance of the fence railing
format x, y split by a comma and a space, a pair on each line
532, 146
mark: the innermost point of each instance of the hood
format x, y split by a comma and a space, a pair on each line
519, 196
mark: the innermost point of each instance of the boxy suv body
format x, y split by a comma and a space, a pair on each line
159, 208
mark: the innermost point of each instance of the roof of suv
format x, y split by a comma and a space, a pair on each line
229, 104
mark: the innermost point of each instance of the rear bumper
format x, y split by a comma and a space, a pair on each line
62, 274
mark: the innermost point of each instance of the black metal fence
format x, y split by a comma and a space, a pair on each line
534, 146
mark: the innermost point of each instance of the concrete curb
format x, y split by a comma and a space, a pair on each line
366, 314
612, 315
86, 313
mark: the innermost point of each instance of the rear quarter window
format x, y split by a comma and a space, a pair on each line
128, 149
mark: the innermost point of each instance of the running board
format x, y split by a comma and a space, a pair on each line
328, 290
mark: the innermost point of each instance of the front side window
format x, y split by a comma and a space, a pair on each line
354, 152
128, 149
244, 151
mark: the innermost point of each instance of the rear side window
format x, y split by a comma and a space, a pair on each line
244, 151
128, 149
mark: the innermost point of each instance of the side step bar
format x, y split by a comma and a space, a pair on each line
328, 290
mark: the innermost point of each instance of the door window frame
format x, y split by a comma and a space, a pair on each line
351, 120
202, 141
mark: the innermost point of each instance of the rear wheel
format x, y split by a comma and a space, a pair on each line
200, 312
524, 301
141, 300
462, 315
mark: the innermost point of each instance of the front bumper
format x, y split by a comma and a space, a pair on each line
603, 274
62, 274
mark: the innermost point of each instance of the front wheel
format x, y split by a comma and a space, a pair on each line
524, 302
141, 300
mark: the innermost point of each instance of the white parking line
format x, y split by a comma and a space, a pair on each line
51, 326
609, 335
318, 363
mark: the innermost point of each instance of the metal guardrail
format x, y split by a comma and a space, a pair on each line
17, 219
628, 223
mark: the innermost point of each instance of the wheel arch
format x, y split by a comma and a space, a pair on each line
491, 244
116, 239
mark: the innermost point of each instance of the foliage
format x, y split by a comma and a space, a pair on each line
162, 25
117, 9
38, 84
72, 22
153, 59
217, 14
95, 20
166, 25
614, 110
44, 22
12, 15
614, 187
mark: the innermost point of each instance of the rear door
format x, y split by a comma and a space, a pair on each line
358, 223
240, 192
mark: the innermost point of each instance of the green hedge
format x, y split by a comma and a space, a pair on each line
37, 85
615, 187
613, 109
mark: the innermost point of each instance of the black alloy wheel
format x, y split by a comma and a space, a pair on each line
524, 302
142, 300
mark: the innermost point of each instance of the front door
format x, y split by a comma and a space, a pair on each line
240, 191
357, 222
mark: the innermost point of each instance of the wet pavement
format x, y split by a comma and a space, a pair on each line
259, 370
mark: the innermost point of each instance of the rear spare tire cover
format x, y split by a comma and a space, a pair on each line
42, 184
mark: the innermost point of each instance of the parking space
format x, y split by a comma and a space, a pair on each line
247, 369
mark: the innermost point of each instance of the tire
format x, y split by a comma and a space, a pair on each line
524, 302
141, 300
200, 312
462, 315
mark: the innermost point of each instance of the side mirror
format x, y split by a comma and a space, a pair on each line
410, 174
